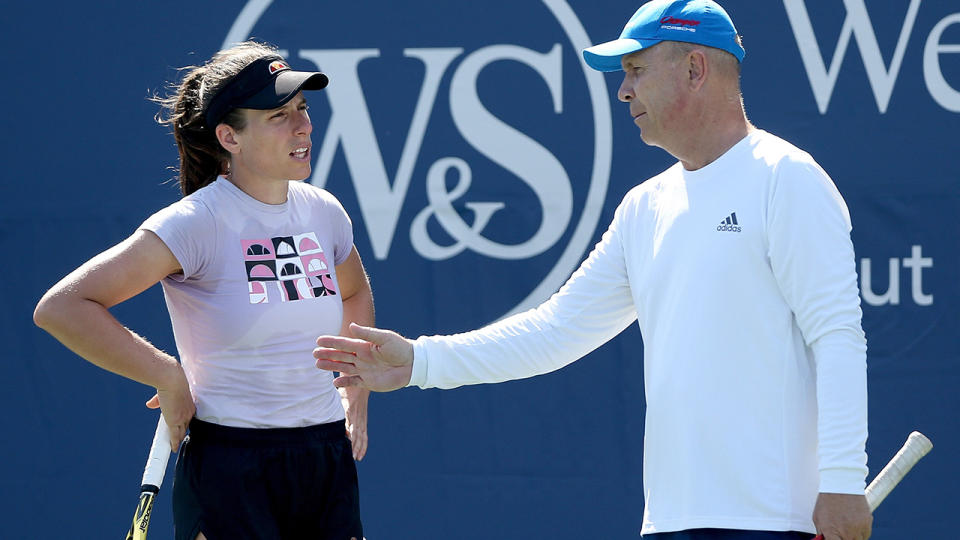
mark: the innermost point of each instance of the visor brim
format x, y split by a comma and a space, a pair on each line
606, 56
283, 87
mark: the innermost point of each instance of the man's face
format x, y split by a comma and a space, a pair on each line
652, 87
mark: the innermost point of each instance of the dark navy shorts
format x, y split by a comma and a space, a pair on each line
729, 534
237, 483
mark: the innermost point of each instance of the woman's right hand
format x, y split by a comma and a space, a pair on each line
175, 402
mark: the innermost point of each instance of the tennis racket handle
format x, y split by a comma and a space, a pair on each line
159, 455
916, 447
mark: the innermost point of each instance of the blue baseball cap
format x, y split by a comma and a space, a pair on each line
693, 21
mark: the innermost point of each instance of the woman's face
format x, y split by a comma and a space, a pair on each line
275, 144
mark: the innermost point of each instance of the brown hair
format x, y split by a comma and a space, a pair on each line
201, 156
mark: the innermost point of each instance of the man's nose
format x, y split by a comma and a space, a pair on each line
625, 93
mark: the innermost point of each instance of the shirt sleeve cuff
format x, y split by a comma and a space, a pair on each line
418, 375
848, 481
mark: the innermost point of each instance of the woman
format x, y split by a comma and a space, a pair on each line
253, 265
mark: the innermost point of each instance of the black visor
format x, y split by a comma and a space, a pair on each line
267, 83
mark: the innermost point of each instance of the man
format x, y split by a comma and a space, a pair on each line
738, 265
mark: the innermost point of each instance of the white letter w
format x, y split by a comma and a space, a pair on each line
857, 23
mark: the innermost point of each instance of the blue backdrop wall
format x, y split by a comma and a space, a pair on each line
437, 112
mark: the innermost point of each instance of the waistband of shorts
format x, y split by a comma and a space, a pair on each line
206, 432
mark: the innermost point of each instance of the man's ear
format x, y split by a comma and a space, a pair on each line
697, 68
228, 138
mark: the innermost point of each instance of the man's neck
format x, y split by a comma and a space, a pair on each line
710, 142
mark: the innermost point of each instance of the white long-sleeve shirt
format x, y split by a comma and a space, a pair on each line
741, 275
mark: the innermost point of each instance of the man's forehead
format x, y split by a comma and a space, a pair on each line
643, 55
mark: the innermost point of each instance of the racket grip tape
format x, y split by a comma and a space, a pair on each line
916, 447
153, 474
159, 455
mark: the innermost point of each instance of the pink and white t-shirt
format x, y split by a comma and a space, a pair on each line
258, 286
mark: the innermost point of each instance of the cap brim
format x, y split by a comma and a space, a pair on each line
284, 86
606, 56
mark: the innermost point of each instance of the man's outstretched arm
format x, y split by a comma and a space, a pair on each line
593, 306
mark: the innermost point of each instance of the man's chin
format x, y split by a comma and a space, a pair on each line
648, 140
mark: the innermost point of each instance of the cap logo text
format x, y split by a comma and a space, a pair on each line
678, 22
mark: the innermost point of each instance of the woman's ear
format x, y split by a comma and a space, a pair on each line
228, 138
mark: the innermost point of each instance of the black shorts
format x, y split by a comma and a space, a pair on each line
235, 483
729, 534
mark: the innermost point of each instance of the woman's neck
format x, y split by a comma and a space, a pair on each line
265, 191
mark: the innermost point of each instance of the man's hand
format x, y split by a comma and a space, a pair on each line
839, 516
379, 360
354, 399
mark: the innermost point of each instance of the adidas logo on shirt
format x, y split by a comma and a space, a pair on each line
729, 224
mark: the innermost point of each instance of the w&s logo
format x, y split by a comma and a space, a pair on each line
477, 148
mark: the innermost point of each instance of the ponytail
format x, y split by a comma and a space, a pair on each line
202, 158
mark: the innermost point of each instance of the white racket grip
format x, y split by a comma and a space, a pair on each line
159, 454
916, 447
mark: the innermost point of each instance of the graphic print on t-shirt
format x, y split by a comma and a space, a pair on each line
286, 267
